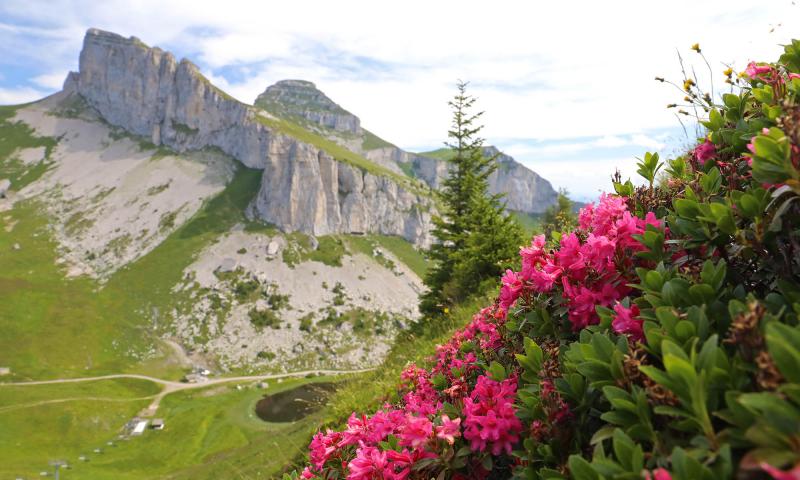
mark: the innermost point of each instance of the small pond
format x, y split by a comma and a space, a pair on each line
294, 404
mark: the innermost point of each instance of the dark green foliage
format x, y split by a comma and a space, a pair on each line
475, 238
560, 217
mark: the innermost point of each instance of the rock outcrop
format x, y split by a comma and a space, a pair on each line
301, 102
317, 194
147, 92
301, 99
525, 191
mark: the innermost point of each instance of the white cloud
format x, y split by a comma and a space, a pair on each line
13, 96
51, 81
558, 73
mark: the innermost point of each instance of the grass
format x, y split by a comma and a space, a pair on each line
531, 223
339, 152
32, 433
55, 327
210, 433
402, 249
444, 153
15, 136
373, 142
330, 250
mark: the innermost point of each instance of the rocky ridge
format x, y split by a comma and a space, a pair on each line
300, 101
146, 91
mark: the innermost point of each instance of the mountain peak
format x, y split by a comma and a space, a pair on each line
302, 100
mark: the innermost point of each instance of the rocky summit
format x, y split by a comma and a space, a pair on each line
302, 100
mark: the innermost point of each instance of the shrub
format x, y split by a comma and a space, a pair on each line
659, 339
264, 318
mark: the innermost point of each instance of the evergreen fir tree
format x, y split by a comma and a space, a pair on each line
475, 238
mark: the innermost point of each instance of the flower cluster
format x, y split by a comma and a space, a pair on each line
594, 264
388, 444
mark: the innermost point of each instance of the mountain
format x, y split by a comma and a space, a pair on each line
308, 184
299, 101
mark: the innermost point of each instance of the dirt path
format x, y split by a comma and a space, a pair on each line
171, 386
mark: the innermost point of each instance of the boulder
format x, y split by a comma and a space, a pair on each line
5, 186
227, 265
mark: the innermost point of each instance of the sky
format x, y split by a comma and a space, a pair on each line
567, 87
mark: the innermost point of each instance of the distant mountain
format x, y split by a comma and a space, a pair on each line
299, 101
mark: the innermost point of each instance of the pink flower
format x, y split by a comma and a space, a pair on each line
570, 257
585, 216
323, 446
369, 463
792, 76
777, 474
625, 321
307, 474
753, 70
704, 152
416, 432
449, 430
491, 420
599, 251
543, 280
509, 292
658, 474
532, 256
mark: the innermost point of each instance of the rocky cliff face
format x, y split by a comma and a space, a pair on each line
302, 100
317, 194
525, 190
146, 91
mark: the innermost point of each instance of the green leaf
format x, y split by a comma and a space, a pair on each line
783, 345
581, 469
497, 372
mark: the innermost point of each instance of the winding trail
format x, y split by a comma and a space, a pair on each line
171, 386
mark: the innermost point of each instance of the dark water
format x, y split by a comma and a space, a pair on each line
294, 404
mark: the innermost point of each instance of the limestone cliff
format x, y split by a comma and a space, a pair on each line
301, 102
146, 91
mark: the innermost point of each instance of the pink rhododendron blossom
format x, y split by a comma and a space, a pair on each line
307, 474
416, 432
704, 152
626, 321
323, 446
533, 256
754, 70
491, 421
599, 251
509, 292
778, 474
658, 474
449, 430
370, 463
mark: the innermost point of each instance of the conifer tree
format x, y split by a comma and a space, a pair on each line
475, 238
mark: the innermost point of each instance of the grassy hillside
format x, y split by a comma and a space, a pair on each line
17, 135
56, 327
210, 433
340, 153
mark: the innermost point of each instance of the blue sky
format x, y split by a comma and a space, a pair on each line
567, 86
